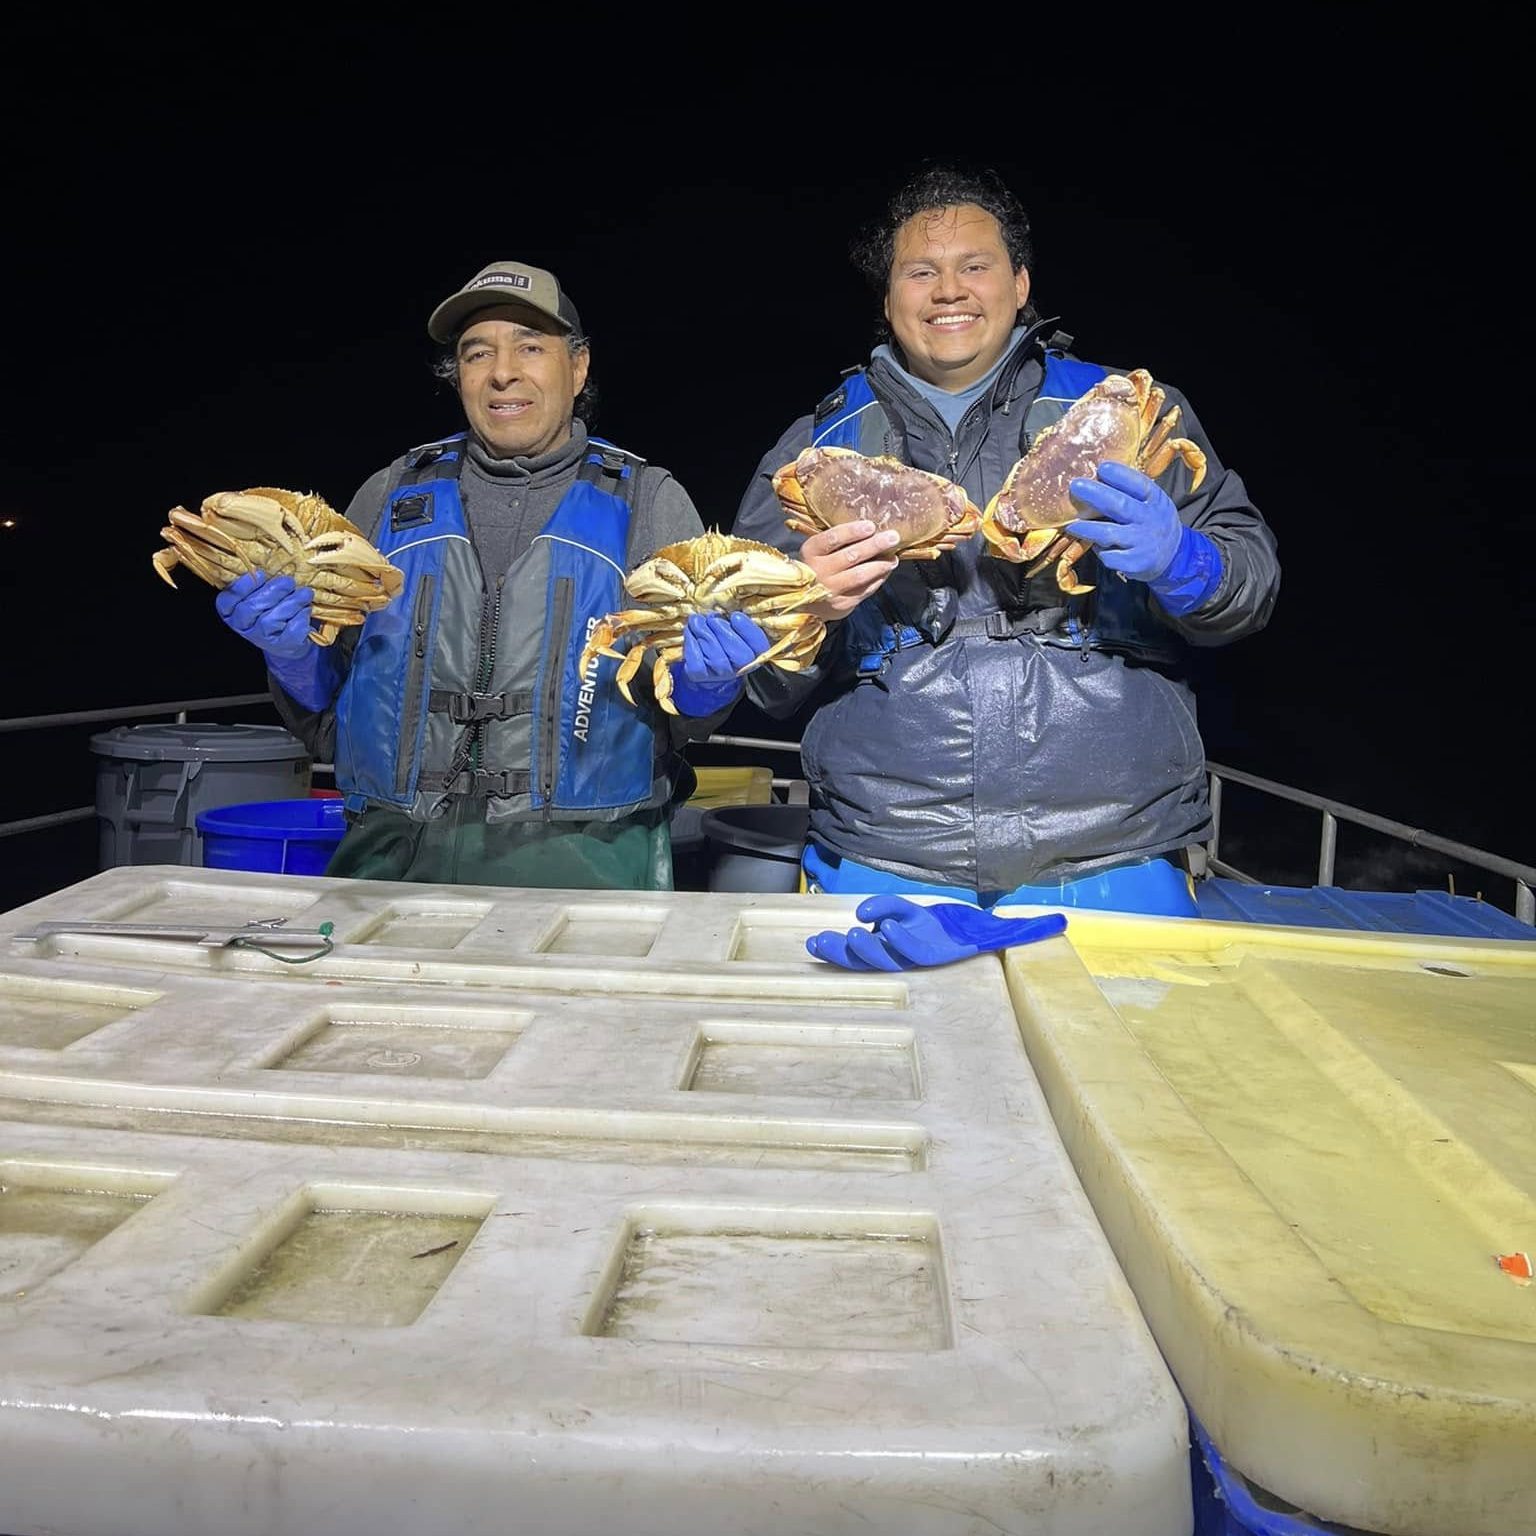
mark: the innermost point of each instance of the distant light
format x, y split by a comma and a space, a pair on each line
7, 522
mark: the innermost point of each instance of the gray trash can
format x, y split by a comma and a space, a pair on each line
154, 780
755, 847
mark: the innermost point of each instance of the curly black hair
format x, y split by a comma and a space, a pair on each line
935, 185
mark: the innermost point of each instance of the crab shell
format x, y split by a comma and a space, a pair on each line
1117, 419
283, 533
828, 486
714, 573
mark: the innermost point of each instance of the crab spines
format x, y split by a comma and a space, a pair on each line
284, 533
714, 573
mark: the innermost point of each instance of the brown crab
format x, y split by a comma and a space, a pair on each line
828, 486
714, 573
284, 533
1117, 419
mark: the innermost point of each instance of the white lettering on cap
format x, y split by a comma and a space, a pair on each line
503, 280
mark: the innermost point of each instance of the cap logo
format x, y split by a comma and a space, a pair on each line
503, 280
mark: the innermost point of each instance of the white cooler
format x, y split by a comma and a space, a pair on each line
543, 1211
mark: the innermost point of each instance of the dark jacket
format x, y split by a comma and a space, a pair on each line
990, 763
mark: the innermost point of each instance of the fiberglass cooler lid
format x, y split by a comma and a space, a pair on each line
1311, 1150
571, 1211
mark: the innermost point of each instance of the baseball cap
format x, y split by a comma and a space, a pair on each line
504, 282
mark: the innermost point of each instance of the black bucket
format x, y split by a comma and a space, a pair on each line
755, 847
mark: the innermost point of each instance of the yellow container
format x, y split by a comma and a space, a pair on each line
1309, 1151
732, 786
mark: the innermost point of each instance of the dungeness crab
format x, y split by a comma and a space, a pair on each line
714, 573
283, 533
1117, 419
828, 486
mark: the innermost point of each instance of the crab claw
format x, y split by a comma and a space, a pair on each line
284, 533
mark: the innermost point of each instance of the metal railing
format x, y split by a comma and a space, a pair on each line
177, 707
1333, 811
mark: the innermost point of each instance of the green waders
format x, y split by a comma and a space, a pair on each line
462, 848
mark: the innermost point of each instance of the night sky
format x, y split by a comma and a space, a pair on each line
222, 249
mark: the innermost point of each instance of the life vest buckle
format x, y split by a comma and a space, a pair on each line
468, 708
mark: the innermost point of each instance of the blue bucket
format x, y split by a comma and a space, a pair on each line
275, 837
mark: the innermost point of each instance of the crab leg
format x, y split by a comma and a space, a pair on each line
1181, 448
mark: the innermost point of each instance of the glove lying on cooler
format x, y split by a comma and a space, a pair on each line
907, 934
715, 650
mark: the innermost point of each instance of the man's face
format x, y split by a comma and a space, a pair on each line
518, 381
953, 296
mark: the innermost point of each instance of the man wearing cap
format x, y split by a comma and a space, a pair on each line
470, 747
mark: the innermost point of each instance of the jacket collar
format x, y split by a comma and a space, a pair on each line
540, 466
1020, 375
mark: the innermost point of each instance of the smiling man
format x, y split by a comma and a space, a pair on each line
953, 295
469, 744
979, 733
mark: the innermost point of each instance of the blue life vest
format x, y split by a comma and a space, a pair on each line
1115, 616
463, 687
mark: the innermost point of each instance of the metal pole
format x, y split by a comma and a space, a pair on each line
129, 712
1330, 846
1213, 845
765, 742
1413, 836
52, 819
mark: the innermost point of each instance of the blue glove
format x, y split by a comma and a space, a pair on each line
1140, 534
274, 616
716, 648
908, 934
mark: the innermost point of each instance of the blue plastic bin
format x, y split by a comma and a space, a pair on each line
1329, 906
275, 837
1227, 1504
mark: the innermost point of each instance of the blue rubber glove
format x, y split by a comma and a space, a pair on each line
1141, 535
716, 649
274, 616
908, 934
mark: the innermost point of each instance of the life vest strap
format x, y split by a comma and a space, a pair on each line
478, 782
471, 708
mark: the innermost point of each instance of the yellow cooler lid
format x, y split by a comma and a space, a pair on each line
1314, 1154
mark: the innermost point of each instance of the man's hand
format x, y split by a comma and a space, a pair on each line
274, 616
717, 648
269, 612
851, 561
1138, 530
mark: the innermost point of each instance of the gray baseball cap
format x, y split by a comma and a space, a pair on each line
504, 282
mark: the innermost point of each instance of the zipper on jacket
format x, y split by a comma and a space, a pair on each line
490, 624
979, 409
414, 679
549, 726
